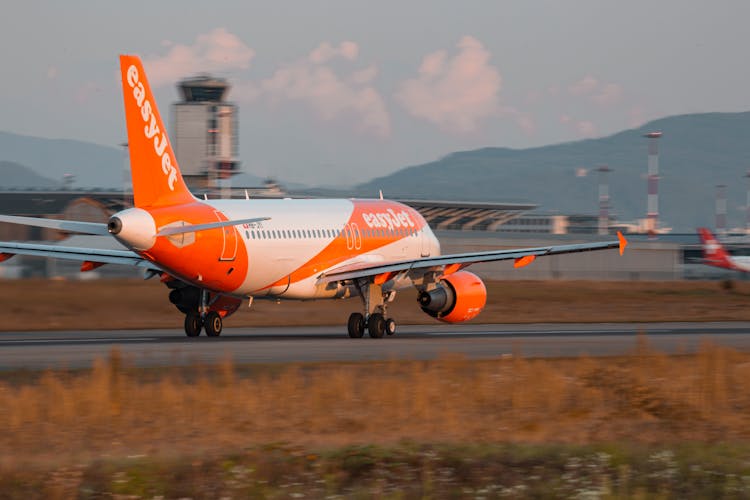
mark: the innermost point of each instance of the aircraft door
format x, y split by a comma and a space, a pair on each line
356, 236
229, 249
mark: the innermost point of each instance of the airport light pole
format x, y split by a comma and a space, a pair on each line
721, 209
603, 199
652, 208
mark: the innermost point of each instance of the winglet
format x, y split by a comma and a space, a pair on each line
623, 242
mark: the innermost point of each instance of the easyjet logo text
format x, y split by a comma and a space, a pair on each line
390, 219
151, 130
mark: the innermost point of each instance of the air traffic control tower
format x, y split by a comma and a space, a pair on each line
205, 132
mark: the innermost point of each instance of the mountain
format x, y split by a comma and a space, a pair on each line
697, 152
92, 165
15, 175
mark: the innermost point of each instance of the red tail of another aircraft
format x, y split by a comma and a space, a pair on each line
713, 251
156, 176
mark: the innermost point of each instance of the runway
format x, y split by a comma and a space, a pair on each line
79, 349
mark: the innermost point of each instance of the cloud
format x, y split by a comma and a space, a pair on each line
527, 124
326, 93
583, 128
524, 120
598, 92
454, 93
636, 116
86, 92
214, 52
608, 94
584, 86
586, 128
325, 52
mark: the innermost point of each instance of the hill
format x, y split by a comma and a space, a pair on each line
15, 175
92, 165
697, 152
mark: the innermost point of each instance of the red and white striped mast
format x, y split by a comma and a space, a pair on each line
652, 204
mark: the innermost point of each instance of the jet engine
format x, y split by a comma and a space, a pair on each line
458, 297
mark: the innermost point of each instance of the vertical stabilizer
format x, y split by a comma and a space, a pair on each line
156, 176
714, 252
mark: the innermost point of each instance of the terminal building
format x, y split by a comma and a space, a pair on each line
204, 136
460, 227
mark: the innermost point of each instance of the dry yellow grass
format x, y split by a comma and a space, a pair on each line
115, 411
39, 304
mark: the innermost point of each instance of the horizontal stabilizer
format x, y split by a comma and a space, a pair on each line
169, 231
95, 256
62, 225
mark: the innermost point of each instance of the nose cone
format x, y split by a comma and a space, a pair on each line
134, 228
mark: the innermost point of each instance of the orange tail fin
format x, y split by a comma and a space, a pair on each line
156, 176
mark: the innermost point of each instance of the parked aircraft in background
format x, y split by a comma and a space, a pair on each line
213, 254
714, 253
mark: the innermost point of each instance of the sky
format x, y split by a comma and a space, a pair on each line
337, 92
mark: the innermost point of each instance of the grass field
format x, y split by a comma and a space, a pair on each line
38, 304
638, 426
356, 427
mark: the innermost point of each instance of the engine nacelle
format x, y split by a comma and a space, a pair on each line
458, 297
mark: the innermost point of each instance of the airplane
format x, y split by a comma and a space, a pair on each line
215, 254
714, 254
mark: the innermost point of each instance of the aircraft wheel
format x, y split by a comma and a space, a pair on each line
193, 324
213, 324
376, 325
356, 326
390, 326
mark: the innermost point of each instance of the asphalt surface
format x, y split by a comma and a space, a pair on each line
79, 349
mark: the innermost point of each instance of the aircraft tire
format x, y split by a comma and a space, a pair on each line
356, 326
193, 324
390, 326
213, 324
376, 326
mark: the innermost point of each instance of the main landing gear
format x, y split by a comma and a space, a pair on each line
197, 315
374, 320
212, 323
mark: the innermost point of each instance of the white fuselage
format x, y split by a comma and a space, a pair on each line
286, 254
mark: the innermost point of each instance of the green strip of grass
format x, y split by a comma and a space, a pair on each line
406, 470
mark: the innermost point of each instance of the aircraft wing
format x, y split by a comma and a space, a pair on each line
92, 255
522, 257
63, 225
